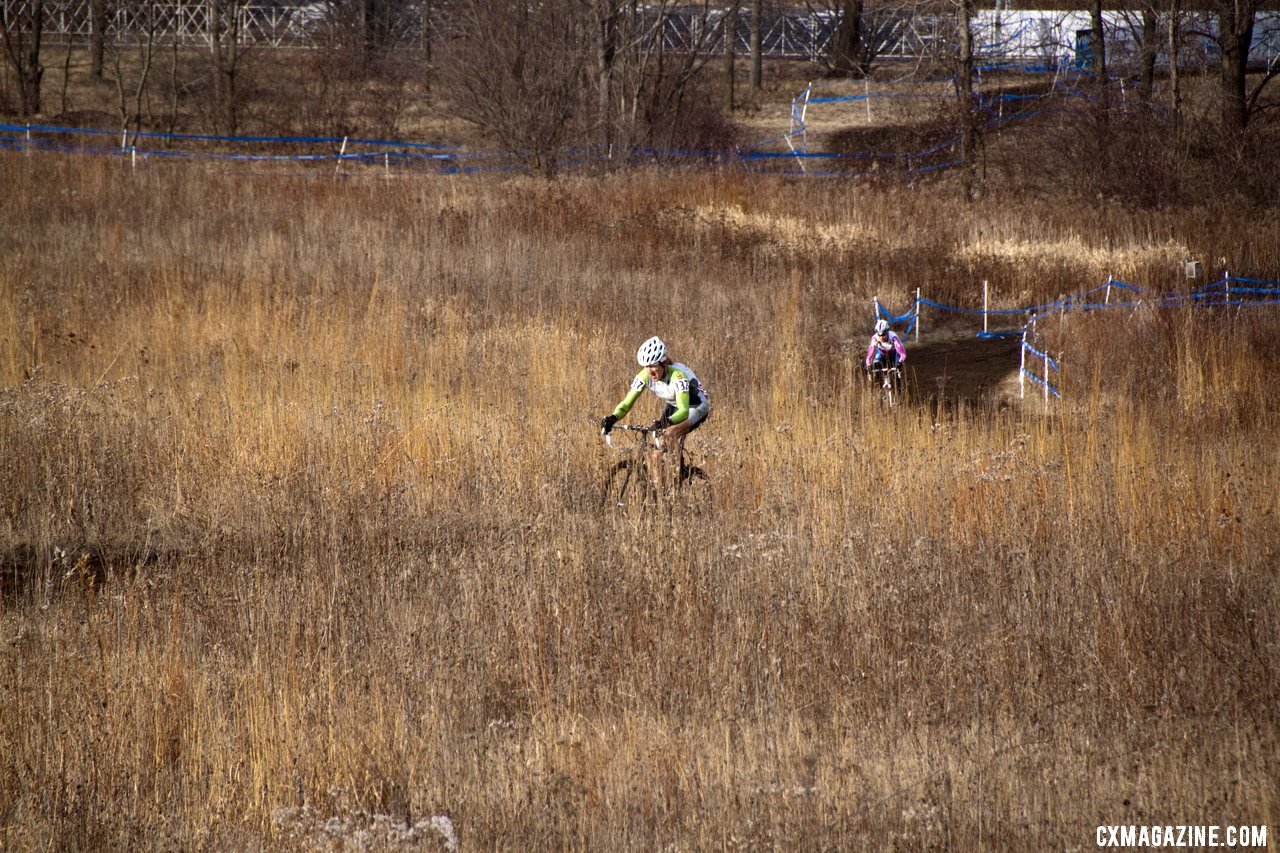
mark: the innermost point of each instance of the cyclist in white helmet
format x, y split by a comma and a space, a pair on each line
687, 405
885, 351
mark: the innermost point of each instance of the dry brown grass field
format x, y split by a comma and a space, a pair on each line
302, 544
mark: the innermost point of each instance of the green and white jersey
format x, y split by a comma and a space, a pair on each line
679, 388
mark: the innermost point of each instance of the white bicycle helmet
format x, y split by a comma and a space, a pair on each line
651, 352
882, 326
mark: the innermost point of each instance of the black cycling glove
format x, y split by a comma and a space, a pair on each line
606, 424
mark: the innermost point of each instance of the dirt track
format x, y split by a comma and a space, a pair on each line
960, 369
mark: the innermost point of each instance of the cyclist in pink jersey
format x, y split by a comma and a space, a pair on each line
885, 351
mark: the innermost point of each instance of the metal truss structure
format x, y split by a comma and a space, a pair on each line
191, 22
896, 33
785, 33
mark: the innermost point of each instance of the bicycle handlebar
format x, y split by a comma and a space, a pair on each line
643, 429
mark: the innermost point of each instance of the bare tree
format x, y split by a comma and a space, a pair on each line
1149, 38
966, 98
731, 51
370, 29
644, 85
227, 50
97, 36
655, 95
22, 29
515, 69
427, 9
539, 76
1098, 44
131, 60
1175, 42
66, 75
607, 15
757, 45
1235, 36
858, 37
1236, 22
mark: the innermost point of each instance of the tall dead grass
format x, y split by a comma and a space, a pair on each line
300, 521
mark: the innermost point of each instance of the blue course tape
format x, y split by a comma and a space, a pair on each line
1041, 382
10, 144
1029, 348
313, 140
1210, 286
1267, 290
1121, 284
883, 312
1098, 306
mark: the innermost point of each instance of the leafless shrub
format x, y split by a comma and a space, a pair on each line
21, 35
679, 115
1135, 147
515, 70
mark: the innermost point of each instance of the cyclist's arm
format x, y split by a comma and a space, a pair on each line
871, 351
900, 347
637, 387
681, 382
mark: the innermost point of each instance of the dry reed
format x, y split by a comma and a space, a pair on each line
300, 521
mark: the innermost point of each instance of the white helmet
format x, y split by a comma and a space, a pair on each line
882, 326
651, 352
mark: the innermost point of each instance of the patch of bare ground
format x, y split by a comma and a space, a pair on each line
950, 369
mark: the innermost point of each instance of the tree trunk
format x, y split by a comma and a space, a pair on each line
224, 48
22, 48
606, 55
427, 34
1099, 45
964, 98
846, 43
1236, 36
66, 75
1102, 104
1175, 39
1150, 47
373, 26
757, 13
97, 36
731, 52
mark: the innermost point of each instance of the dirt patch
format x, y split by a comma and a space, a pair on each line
953, 369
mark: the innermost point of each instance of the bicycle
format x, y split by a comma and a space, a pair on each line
889, 381
631, 480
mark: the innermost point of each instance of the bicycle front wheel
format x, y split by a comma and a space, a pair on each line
628, 483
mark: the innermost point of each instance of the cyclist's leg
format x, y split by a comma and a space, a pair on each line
673, 437
657, 460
